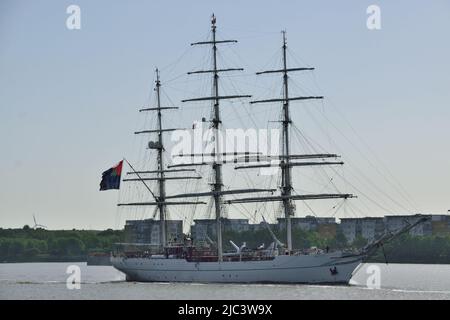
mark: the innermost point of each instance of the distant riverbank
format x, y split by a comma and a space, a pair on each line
45, 258
39, 245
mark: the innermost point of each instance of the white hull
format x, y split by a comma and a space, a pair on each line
282, 269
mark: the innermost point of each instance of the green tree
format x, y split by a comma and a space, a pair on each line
70, 246
31, 252
341, 240
359, 242
4, 247
16, 247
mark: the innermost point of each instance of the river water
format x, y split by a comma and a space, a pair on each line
371, 281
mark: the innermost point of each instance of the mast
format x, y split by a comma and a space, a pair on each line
161, 180
217, 166
217, 193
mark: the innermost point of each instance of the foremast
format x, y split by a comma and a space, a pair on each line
161, 199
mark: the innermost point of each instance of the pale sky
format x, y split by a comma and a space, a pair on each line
69, 98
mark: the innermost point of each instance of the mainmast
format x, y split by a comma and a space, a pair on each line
216, 164
286, 169
286, 165
162, 180
217, 193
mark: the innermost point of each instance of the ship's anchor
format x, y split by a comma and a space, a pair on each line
333, 271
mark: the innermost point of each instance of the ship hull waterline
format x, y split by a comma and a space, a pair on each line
307, 269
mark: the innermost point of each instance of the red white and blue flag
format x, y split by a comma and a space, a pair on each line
111, 177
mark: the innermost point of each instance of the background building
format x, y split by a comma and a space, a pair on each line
309, 223
148, 231
369, 228
440, 224
350, 227
395, 222
207, 227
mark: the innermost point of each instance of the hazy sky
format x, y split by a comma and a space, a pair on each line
69, 98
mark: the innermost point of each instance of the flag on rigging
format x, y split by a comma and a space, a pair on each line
111, 177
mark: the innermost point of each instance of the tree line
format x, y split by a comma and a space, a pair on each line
29, 244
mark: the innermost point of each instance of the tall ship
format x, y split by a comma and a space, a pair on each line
181, 260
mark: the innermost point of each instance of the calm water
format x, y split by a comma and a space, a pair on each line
48, 281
